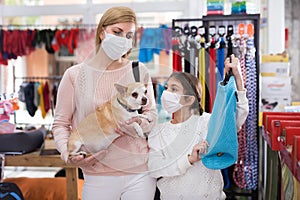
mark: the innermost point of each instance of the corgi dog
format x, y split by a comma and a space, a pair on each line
97, 130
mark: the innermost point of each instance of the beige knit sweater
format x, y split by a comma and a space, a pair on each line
84, 88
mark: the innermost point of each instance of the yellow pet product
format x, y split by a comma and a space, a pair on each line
275, 58
296, 103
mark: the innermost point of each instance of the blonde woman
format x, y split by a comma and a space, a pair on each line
119, 172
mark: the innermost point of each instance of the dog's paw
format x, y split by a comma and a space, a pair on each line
146, 117
80, 153
138, 130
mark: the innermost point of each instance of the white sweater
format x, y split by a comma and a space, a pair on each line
170, 145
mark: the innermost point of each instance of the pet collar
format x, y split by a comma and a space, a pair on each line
126, 107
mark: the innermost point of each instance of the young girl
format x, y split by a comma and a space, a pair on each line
175, 150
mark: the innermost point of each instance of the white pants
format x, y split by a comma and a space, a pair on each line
129, 187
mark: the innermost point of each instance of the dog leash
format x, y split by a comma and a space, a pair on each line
239, 167
202, 70
186, 32
220, 54
177, 48
212, 69
136, 71
136, 74
251, 164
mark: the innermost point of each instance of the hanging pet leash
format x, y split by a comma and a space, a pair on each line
212, 67
186, 32
177, 49
202, 66
251, 164
220, 54
239, 167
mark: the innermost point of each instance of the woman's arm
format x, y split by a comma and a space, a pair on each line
63, 114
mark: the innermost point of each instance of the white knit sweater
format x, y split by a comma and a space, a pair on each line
170, 145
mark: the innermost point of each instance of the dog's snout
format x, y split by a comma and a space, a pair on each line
144, 101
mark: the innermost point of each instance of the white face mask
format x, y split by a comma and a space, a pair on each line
171, 101
115, 47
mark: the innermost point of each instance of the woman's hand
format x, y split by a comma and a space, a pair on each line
89, 161
128, 128
236, 71
197, 150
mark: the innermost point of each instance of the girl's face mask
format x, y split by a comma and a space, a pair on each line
115, 47
171, 101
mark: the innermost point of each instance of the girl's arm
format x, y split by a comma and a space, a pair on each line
242, 104
161, 165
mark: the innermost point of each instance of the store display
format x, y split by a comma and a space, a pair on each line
238, 35
251, 159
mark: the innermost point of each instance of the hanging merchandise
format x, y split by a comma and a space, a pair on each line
221, 134
193, 47
186, 51
251, 162
221, 53
225, 41
239, 167
61, 41
202, 65
38, 93
177, 49
153, 41
212, 66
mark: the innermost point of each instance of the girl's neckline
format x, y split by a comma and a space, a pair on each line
184, 122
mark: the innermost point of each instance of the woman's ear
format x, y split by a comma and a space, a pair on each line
102, 35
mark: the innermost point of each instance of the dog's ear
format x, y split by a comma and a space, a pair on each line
121, 89
146, 79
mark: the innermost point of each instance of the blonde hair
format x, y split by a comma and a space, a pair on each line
114, 15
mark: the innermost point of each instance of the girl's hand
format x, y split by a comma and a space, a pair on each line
234, 65
90, 161
198, 149
127, 127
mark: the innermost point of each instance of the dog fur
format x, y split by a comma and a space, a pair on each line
97, 131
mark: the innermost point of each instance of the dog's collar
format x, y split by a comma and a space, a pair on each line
126, 107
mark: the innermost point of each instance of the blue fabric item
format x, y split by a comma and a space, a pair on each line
222, 133
220, 60
152, 42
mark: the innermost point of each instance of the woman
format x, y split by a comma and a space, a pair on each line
176, 146
118, 172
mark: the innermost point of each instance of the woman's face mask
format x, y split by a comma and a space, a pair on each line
171, 101
115, 47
